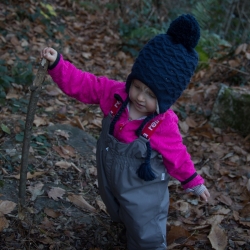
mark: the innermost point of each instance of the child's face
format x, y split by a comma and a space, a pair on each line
142, 98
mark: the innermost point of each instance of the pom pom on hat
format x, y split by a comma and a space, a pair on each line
167, 62
185, 30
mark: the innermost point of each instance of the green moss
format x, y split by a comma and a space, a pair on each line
232, 109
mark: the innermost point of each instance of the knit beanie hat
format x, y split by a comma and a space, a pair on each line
167, 62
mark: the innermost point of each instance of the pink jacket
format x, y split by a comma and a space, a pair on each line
166, 139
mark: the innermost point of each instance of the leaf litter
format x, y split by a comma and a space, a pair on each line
64, 210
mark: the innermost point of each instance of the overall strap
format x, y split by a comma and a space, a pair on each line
150, 128
116, 105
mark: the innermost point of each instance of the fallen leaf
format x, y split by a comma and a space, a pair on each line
6, 206
62, 133
29, 175
241, 48
12, 93
244, 212
93, 170
39, 121
218, 237
46, 223
184, 126
97, 122
79, 124
79, 201
183, 207
215, 219
102, 206
56, 193
191, 123
51, 213
3, 222
86, 55
36, 190
53, 90
225, 199
65, 151
14, 40
39, 29
177, 232
63, 164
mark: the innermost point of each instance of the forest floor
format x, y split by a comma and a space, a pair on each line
63, 206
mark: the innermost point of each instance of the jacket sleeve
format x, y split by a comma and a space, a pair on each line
84, 86
168, 142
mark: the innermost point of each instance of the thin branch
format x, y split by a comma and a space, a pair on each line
228, 67
35, 92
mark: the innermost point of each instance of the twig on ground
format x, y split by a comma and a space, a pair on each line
35, 92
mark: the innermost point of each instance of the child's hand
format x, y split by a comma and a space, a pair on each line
205, 195
201, 191
50, 54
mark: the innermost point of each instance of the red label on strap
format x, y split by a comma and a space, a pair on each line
115, 107
150, 128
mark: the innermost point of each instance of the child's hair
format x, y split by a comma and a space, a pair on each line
165, 64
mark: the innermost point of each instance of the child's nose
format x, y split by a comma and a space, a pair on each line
140, 96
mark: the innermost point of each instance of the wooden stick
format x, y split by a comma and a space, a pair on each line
35, 92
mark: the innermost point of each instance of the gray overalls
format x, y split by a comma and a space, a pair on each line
141, 205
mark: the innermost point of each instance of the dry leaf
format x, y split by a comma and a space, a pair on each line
184, 126
218, 237
39, 121
183, 207
86, 55
93, 170
191, 123
234, 63
14, 40
63, 164
177, 232
65, 152
13, 93
29, 175
79, 201
241, 48
46, 223
7, 207
244, 212
225, 199
39, 29
247, 55
102, 206
53, 90
51, 213
36, 190
97, 122
79, 124
56, 193
215, 219
3, 222
62, 133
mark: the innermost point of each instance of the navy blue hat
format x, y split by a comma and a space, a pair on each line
168, 61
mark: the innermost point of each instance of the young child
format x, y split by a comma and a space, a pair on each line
140, 144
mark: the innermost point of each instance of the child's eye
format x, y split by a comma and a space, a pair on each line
151, 95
